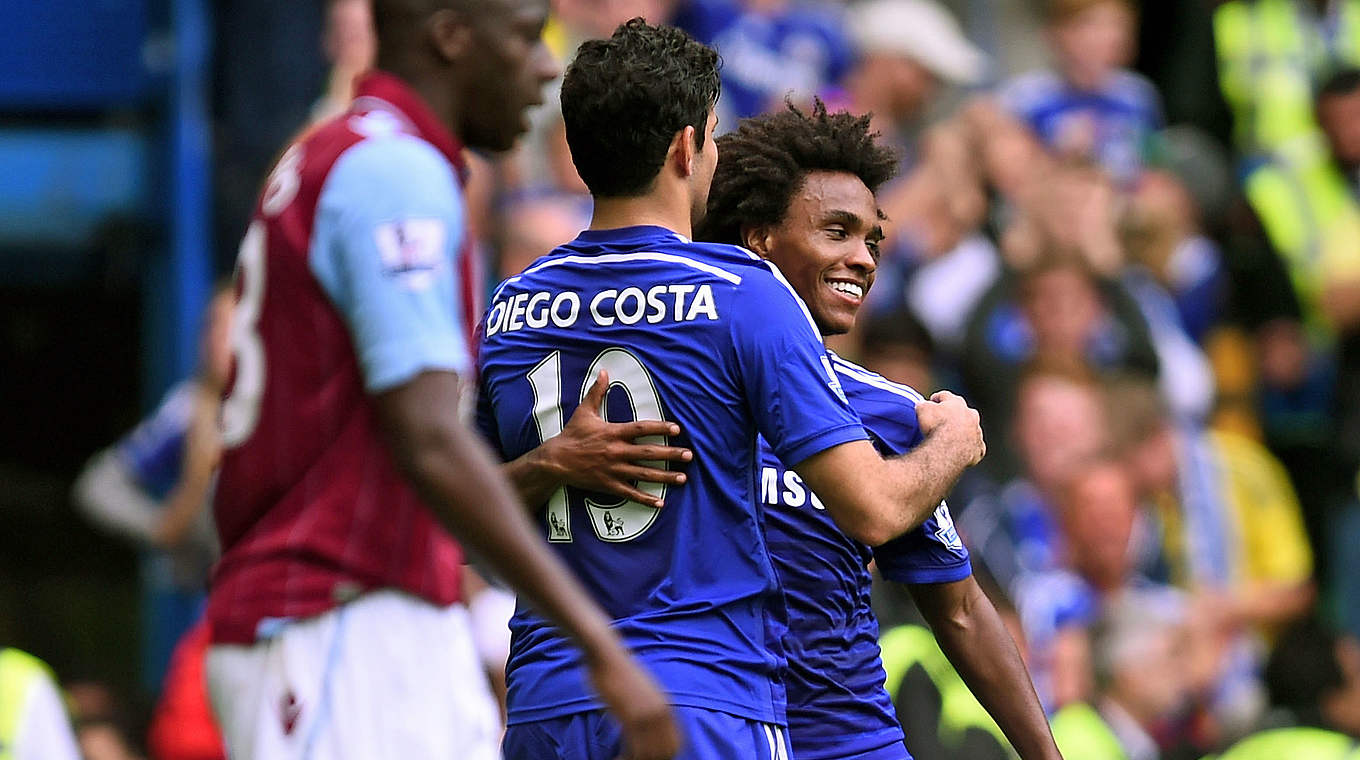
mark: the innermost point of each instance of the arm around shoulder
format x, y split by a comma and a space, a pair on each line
874, 499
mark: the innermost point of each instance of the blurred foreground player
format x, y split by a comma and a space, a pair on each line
334, 611
707, 336
799, 190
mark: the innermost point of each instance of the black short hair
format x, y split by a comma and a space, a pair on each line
1303, 669
1342, 81
893, 328
624, 98
767, 158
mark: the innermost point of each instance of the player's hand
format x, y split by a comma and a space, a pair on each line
647, 725
611, 457
947, 414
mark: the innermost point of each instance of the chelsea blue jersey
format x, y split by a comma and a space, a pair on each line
708, 336
837, 704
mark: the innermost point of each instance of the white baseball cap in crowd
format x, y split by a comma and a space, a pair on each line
920, 30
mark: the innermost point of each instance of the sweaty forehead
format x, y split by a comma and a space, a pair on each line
824, 194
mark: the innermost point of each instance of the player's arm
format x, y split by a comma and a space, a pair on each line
799, 408
388, 222
457, 478
874, 499
974, 638
598, 455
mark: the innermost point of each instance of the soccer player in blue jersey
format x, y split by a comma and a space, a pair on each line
710, 337
798, 189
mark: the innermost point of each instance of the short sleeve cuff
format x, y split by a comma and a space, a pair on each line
901, 573
393, 364
800, 450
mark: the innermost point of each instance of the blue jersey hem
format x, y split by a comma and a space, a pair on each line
931, 575
887, 746
678, 699
800, 451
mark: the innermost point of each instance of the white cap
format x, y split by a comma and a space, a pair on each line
920, 30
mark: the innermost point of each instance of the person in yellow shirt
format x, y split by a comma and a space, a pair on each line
1231, 526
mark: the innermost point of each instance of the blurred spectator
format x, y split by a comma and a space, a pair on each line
1338, 107
1074, 212
1098, 517
1314, 682
1231, 534
1058, 312
33, 721
897, 346
1230, 523
1272, 54
152, 487
1090, 106
770, 49
106, 728
905, 51
1059, 425
1013, 161
938, 258
1309, 213
1173, 274
1163, 235
1141, 652
351, 48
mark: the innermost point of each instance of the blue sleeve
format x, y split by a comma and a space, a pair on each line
154, 451
930, 553
790, 387
933, 551
389, 225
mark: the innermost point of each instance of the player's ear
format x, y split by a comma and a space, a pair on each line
449, 34
683, 151
756, 238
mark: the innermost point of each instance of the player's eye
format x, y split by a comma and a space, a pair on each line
837, 232
875, 248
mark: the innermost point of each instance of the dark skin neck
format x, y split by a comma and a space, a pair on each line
432, 86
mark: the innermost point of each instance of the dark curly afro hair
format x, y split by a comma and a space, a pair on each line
764, 162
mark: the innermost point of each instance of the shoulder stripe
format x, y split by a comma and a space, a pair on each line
856, 372
607, 258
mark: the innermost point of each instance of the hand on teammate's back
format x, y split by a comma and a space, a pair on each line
948, 414
611, 457
648, 727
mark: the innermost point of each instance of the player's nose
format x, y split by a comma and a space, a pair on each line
861, 260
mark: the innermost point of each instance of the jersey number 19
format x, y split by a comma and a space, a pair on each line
623, 520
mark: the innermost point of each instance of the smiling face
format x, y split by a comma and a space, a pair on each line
827, 246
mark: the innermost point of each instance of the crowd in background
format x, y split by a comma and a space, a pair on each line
1148, 284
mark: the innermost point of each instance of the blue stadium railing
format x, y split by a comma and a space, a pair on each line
104, 118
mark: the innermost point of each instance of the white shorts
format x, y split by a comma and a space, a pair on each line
385, 676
